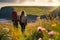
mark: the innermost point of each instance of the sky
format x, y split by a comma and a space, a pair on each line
29, 3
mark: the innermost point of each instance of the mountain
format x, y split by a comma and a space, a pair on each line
5, 12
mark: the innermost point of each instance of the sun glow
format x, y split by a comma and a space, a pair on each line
17, 1
32, 3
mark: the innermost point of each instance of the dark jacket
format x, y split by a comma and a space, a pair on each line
14, 15
21, 20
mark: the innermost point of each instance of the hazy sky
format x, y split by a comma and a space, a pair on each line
29, 3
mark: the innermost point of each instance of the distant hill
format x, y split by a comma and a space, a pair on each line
35, 10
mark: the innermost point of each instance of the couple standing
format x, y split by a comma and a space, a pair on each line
21, 19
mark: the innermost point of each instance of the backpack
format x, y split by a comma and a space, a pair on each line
23, 19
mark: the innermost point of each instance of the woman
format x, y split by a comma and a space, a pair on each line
23, 21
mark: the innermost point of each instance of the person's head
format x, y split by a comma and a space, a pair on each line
14, 11
22, 12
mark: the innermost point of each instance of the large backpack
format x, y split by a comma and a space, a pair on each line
23, 19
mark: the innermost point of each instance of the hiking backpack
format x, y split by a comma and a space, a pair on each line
23, 19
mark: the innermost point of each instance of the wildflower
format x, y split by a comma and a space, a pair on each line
5, 30
43, 30
4, 35
51, 39
8, 35
53, 25
39, 29
10, 38
51, 33
40, 39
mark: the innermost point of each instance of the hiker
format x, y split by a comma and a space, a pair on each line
23, 21
15, 18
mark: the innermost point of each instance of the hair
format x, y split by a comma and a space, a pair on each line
22, 12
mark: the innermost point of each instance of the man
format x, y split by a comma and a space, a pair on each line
15, 18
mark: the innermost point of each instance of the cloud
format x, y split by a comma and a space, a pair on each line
7, 1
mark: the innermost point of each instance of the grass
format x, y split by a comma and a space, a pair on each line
31, 28
35, 10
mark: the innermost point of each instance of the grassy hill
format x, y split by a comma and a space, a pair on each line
35, 10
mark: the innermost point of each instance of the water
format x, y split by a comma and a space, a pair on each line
4, 20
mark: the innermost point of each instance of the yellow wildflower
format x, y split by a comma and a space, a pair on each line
54, 24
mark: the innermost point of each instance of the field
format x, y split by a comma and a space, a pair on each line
9, 32
36, 10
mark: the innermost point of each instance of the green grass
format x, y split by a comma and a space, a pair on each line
35, 10
31, 30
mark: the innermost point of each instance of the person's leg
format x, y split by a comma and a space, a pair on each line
22, 28
16, 24
13, 23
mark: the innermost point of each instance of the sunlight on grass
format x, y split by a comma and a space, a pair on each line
30, 28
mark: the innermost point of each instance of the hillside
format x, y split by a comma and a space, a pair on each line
6, 12
36, 10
